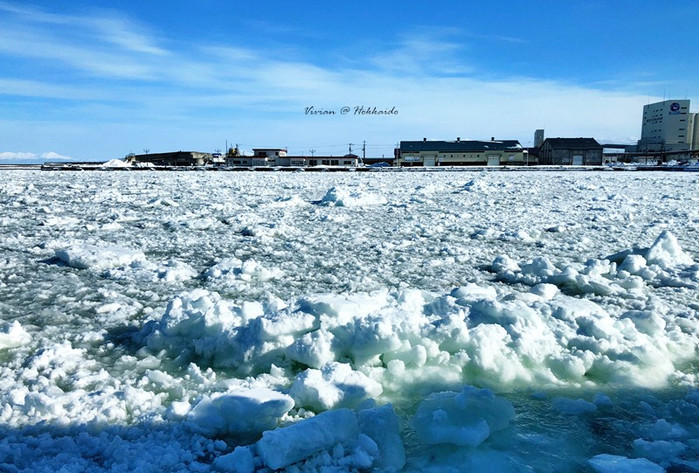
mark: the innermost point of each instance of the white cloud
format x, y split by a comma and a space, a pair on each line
10, 157
147, 95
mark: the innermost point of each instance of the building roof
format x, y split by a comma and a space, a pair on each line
459, 146
572, 143
318, 156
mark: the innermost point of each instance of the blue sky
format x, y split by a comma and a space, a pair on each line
96, 80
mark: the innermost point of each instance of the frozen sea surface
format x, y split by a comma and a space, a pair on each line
451, 321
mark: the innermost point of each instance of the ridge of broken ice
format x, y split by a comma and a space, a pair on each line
626, 272
400, 338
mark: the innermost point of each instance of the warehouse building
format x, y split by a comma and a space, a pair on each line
279, 157
175, 158
571, 152
460, 153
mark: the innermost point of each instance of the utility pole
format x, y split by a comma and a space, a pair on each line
363, 151
312, 151
350, 148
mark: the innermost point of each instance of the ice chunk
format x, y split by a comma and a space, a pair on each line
282, 447
616, 464
602, 400
231, 269
664, 430
335, 385
633, 264
172, 271
13, 335
473, 292
248, 411
503, 264
545, 291
313, 349
224, 267
241, 460
197, 314
288, 201
573, 407
465, 419
666, 252
539, 267
382, 425
646, 321
84, 256
342, 197
476, 185
662, 452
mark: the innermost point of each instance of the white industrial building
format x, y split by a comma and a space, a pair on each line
668, 126
461, 153
279, 157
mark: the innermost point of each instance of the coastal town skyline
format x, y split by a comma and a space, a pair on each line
96, 81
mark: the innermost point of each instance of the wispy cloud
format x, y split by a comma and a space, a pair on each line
105, 44
423, 53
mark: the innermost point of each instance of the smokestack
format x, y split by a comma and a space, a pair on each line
538, 138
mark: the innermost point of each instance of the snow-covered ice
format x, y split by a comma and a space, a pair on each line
446, 321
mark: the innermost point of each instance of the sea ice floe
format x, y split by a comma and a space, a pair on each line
606, 463
279, 448
241, 412
662, 452
85, 255
392, 302
573, 407
466, 418
337, 440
